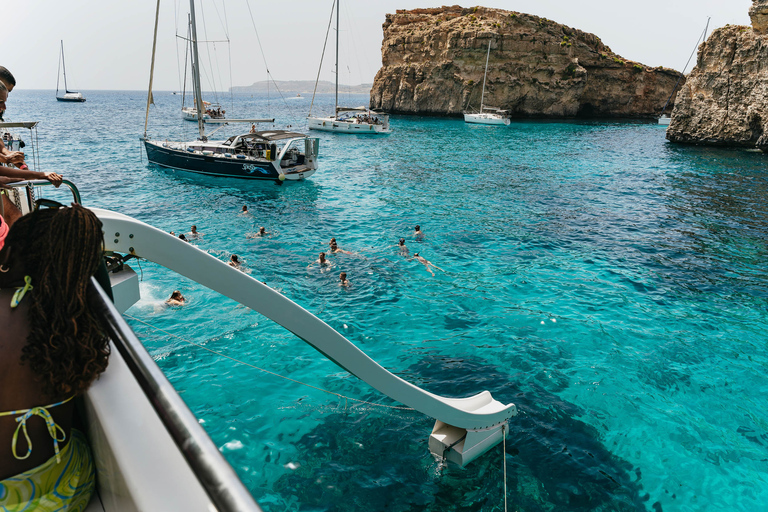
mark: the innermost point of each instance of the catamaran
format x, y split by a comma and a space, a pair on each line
72, 96
257, 155
487, 115
360, 120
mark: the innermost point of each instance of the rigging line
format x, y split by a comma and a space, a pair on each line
211, 79
696, 47
322, 56
263, 57
178, 63
229, 55
267, 371
226, 33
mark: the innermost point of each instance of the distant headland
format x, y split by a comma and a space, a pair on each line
302, 87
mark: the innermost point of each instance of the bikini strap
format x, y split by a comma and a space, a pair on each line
53, 429
21, 291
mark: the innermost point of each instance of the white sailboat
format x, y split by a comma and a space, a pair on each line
72, 96
487, 115
359, 120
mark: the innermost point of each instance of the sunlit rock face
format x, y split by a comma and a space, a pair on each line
758, 13
724, 102
434, 60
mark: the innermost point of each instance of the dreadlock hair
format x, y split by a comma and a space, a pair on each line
62, 248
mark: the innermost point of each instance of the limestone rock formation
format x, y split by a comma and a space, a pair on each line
433, 63
725, 100
758, 13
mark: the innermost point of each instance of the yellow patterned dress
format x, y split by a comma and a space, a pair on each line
64, 483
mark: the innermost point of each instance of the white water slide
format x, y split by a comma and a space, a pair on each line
465, 427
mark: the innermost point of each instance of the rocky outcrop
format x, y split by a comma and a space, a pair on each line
725, 100
433, 63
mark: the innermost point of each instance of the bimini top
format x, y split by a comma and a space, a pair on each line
358, 109
265, 136
23, 124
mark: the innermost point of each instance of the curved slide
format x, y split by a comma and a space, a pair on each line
465, 428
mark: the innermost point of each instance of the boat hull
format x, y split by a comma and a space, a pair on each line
330, 124
492, 119
71, 100
220, 166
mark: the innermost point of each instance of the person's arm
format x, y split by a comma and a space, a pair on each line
26, 174
12, 157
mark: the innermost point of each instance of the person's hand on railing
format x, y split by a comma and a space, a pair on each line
54, 178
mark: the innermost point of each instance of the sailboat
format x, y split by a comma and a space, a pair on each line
257, 155
360, 120
73, 96
210, 111
487, 115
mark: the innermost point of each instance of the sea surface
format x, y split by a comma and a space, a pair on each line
610, 284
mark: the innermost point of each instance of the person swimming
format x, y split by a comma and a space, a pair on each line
176, 299
234, 261
245, 209
402, 248
194, 234
418, 234
336, 249
343, 281
428, 264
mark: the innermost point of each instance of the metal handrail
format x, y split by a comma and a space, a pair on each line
216, 476
43, 183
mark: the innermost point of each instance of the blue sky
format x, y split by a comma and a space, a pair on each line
108, 43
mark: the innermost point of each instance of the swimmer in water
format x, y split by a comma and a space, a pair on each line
182, 237
403, 249
245, 209
343, 281
427, 264
336, 249
321, 261
194, 233
234, 261
417, 233
176, 299
262, 231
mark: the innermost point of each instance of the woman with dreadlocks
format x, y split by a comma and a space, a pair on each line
52, 347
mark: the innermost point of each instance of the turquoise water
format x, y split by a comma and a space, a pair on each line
610, 284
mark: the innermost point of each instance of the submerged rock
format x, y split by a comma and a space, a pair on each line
725, 99
434, 60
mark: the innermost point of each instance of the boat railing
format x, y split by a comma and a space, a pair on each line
23, 193
214, 473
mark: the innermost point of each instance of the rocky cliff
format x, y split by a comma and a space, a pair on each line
725, 100
433, 63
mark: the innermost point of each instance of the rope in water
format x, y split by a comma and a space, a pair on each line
267, 371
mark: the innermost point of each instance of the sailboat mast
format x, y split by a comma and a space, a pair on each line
336, 110
58, 74
196, 73
151, 100
64, 67
482, 95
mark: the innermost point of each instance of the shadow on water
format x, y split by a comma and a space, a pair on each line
358, 459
